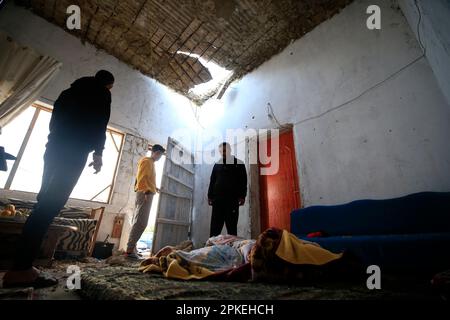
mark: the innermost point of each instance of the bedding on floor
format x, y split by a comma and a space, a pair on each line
276, 256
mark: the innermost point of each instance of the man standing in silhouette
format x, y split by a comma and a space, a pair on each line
227, 191
77, 127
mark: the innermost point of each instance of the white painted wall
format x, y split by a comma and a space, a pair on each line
141, 106
435, 35
391, 141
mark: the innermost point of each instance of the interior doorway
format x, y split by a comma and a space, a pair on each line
279, 193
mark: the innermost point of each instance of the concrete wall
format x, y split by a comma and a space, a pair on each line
141, 107
434, 33
390, 141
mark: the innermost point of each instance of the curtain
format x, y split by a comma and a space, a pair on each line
24, 74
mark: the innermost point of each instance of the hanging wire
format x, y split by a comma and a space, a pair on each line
424, 49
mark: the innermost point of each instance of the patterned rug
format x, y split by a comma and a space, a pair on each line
118, 279
125, 283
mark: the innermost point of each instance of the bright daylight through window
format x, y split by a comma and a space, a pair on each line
27, 175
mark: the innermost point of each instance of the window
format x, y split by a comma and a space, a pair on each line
26, 136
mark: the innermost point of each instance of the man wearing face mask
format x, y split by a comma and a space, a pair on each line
227, 191
77, 127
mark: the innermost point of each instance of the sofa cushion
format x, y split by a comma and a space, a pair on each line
406, 252
426, 212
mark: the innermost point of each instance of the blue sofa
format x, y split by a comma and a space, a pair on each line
407, 234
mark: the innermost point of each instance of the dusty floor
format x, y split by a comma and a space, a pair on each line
119, 279
59, 292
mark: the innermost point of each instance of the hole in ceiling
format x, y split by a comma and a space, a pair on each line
219, 76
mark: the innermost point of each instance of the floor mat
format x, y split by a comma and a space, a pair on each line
119, 279
125, 283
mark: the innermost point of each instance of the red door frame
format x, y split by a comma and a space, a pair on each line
280, 192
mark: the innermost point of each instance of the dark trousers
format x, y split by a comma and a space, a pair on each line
224, 211
63, 166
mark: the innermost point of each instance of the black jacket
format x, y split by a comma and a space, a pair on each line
228, 181
81, 114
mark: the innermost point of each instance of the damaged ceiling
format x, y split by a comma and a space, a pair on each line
151, 34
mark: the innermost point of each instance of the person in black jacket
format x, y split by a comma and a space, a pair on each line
77, 127
227, 191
